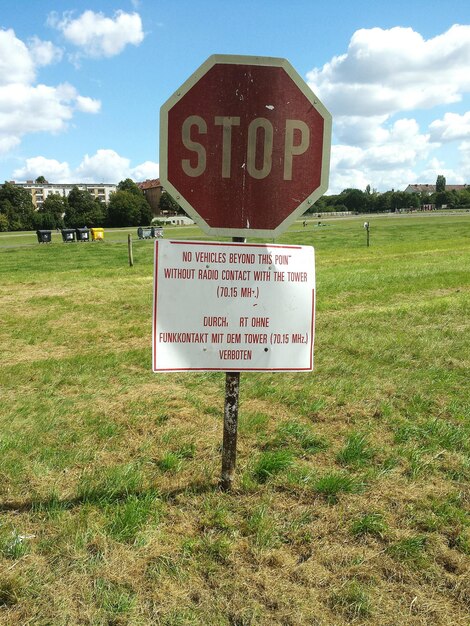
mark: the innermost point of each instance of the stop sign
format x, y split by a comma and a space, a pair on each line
245, 146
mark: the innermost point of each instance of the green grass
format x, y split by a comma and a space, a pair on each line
410, 551
12, 544
370, 524
261, 527
270, 463
294, 435
332, 484
357, 452
350, 500
10, 591
127, 519
352, 600
115, 483
113, 598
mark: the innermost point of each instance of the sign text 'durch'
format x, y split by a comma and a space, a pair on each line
233, 307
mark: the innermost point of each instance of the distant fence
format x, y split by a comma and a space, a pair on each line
327, 214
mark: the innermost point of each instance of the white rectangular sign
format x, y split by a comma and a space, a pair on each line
233, 307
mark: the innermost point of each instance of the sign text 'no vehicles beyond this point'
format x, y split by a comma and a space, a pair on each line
245, 146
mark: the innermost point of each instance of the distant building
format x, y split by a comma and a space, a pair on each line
174, 220
152, 191
40, 191
429, 189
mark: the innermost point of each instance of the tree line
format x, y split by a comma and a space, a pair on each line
129, 207
368, 201
126, 207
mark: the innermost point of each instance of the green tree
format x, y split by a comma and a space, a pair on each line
16, 204
52, 211
464, 198
45, 221
129, 185
127, 208
443, 198
414, 200
403, 200
355, 200
40, 180
440, 183
3, 223
168, 203
383, 202
55, 204
84, 210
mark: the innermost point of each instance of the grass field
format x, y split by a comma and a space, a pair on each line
351, 499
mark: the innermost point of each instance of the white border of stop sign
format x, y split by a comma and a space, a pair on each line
255, 170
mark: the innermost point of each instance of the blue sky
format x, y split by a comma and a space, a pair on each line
81, 83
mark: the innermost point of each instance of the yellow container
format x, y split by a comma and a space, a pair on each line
97, 234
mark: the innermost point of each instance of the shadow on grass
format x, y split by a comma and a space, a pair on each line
104, 498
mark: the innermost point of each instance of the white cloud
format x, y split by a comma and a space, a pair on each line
464, 150
28, 107
110, 167
389, 156
145, 171
8, 143
386, 71
347, 173
52, 170
97, 35
436, 167
383, 75
87, 105
360, 131
104, 166
16, 62
451, 128
44, 52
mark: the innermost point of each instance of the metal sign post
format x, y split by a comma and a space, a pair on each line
229, 441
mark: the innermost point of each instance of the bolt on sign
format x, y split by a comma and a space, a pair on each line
245, 146
233, 307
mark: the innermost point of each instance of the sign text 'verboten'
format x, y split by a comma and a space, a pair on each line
233, 307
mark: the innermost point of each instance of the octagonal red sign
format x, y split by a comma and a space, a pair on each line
245, 146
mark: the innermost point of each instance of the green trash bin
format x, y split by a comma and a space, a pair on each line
44, 236
83, 234
68, 234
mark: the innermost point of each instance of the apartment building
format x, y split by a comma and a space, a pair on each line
40, 191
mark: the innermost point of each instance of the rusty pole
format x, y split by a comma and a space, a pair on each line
229, 443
